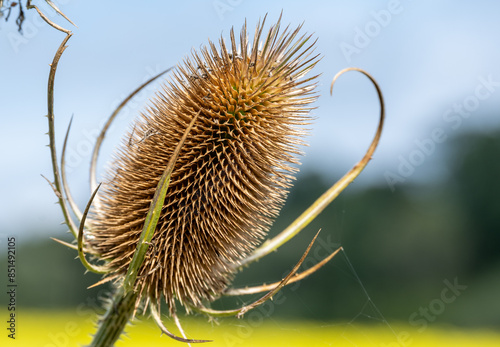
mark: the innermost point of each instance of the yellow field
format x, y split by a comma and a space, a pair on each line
51, 329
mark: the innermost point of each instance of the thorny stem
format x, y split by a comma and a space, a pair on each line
124, 300
324, 200
50, 117
115, 319
123, 305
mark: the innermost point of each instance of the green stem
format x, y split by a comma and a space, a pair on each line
115, 319
50, 116
153, 215
123, 305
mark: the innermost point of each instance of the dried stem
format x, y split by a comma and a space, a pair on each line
155, 313
50, 117
297, 277
47, 20
123, 306
275, 289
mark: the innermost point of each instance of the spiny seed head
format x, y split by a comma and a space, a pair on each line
232, 175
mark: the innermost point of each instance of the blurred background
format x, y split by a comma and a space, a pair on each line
419, 227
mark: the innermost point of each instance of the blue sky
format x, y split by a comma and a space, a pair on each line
437, 63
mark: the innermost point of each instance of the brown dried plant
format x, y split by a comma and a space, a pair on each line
199, 178
231, 176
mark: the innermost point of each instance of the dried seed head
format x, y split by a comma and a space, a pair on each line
231, 177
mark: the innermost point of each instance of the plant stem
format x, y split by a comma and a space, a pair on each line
115, 319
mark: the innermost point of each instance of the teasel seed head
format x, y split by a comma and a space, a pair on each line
231, 177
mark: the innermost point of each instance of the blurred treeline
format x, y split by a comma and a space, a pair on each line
403, 245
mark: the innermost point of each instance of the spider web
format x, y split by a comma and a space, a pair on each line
366, 326
358, 320
354, 332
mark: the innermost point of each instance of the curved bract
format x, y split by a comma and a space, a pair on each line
327, 197
197, 182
